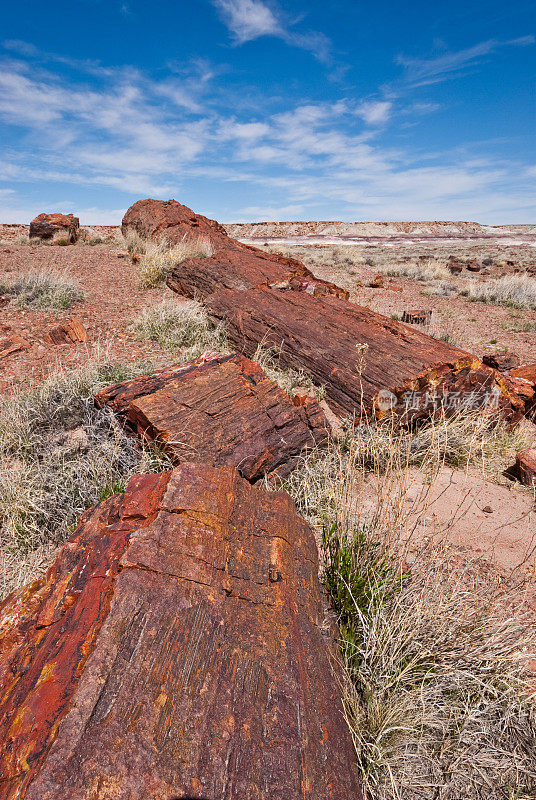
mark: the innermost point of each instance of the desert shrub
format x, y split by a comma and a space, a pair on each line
158, 257
59, 455
44, 290
425, 271
516, 291
520, 327
180, 325
437, 691
290, 380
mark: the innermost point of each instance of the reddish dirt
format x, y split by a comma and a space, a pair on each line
113, 299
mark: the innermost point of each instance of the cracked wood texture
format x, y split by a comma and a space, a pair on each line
176, 648
234, 265
245, 268
221, 410
324, 336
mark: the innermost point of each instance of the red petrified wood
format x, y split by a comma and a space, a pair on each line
233, 265
222, 410
12, 344
173, 650
70, 331
363, 359
55, 227
526, 466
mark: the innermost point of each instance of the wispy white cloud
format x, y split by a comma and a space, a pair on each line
127, 133
250, 19
375, 112
426, 71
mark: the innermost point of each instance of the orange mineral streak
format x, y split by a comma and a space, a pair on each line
40, 659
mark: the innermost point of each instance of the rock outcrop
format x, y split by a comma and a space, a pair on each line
222, 410
55, 228
176, 648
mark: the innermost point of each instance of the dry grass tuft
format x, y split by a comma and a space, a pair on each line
426, 271
44, 290
58, 456
159, 257
516, 291
180, 325
437, 691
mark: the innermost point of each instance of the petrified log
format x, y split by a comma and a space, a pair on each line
245, 268
72, 330
222, 410
175, 649
365, 361
12, 344
524, 381
156, 219
55, 227
526, 466
234, 265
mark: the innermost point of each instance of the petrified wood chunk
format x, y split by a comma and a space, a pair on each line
397, 365
420, 317
72, 330
175, 649
234, 265
526, 466
524, 381
245, 268
154, 219
222, 410
501, 361
12, 344
55, 227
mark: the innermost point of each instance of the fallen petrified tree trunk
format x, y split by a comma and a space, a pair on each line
222, 410
174, 650
245, 268
234, 265
364, 361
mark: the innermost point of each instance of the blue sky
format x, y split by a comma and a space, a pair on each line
256, 110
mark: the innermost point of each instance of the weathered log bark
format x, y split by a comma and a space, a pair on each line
245, 268
173, 650
12, 344
55, 227
70, 331
526, 466
366, 362
221, 410
154, 219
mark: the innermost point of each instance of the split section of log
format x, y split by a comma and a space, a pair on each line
245, 268
221, 410
175, 649
12, 344
364, 361
70, 331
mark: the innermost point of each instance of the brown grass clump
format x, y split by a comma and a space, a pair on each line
180, 326
59, 455
159, 257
